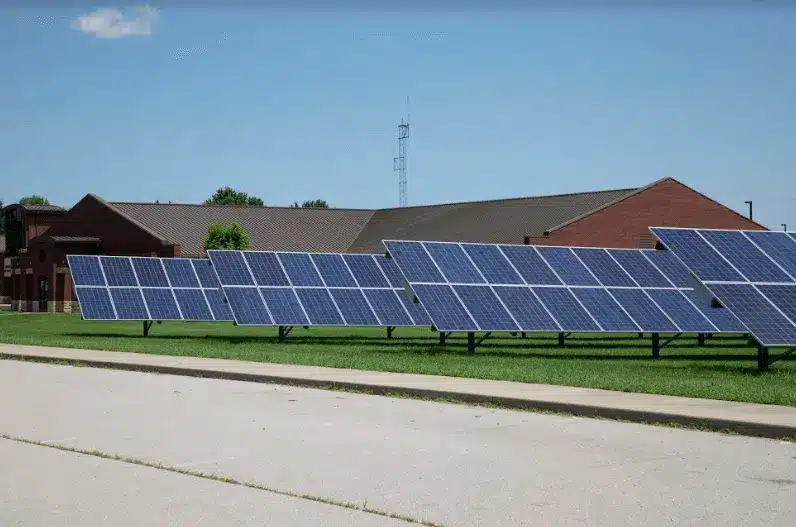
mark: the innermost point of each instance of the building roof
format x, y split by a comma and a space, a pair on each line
2, 243
268, 228
358, 230
43, 208
75, 239
496, 221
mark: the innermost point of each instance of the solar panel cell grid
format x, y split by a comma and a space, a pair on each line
454, 263
668, 264
180, 272
334, 270
681, 311
300, 269
492, 263
320, 307
444, 308
640, 268
566, 309
284, 306
608, 313
416, 264
95, 303
129, 303
388, 307
567, 266
86, 270
193, 305
367, 272
533, 269
778, 246
485, 308
161, 304
697, 255
266, 269
118, 271
745, 256
604, 267
354, 307
526, 308
150, 272
768, 325
640, 307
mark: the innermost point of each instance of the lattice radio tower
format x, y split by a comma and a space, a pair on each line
399, 163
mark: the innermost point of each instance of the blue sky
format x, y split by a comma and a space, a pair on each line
294, 105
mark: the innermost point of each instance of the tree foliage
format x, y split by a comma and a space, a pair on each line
35, 199
311, 204
226, 237
230, 196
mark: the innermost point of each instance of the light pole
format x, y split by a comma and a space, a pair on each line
785, 227
750, 208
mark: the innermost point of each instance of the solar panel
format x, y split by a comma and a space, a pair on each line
482, 287
144, 288
749, 272
319, 289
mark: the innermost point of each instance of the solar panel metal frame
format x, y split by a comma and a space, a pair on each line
657, 231
524, 283
398, 291
76, 287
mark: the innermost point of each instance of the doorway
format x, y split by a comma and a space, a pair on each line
43, 290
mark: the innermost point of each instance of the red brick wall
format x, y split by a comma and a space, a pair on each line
626, 223
119, 236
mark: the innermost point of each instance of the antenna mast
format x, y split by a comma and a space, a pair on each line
399, 163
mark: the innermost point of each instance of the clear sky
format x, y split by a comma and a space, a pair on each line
302, 104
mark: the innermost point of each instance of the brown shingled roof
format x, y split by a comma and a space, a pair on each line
357, 230
268, 228
497, 221
43, 208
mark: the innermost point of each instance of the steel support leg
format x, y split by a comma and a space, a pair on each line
561, 338
656, 345
470, 341
147, 325
762, 357
701, 339
389, 331
442, 337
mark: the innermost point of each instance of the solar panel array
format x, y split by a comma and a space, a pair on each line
141, 288
483, 287
266, 288
752, 273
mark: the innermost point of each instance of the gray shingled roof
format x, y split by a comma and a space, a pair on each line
498, 221
43, 208
268, 228
356, 230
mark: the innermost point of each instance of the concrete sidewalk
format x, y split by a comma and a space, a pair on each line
745, 418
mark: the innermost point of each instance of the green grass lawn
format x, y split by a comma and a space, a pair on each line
725, 368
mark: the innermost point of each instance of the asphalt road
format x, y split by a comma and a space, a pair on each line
449, 464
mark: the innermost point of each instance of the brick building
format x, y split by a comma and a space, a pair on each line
37, 278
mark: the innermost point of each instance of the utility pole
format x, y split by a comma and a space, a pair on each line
399, 163
750, 208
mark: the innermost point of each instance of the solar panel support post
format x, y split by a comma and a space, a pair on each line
442, 337
389, 331
700, 339
284, 331
147, 325
764, 359
472, 343
562, 337
656, 345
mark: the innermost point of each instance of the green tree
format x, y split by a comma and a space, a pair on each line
230, 196
226, 237
35, 199
311, 204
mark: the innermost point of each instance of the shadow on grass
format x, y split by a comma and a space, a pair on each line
520, 348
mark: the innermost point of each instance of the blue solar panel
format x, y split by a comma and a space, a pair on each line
161, 304
129, 303
668, 264
154, 300
300, 269
391, 271
697, 254
764, 321
745, 256
566, 309
416, 265
218, 304
777, 245
367, 272
320, 307
118, 271
782, 296
681, 311
567, 266
492, 263
284, 306
205, 273
605, 268
444, 308
334, 270
533, 269
640, 268
485, 308
643, 311
231, 268
415, 310
180, 272
454, 263
95, 303
722, 318
266, 269
150, 272
604, 309
526, 308
193, 305
388, 307
247, 306
86, 270
354, 307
